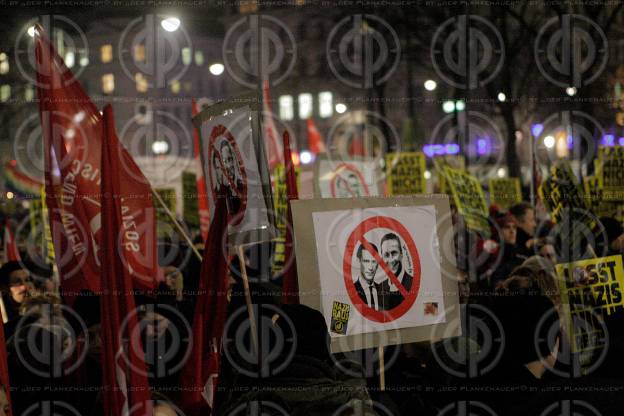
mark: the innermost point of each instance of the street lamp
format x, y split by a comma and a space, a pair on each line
571, 91
502, 97
430, 85
160, 147
549, 142
341, 108
216, 69
448, 106
170, 24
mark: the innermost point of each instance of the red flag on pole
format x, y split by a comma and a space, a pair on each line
202, 193
290, 286
10, 247
271, 143
4, 369
73, 134
315, 142
200, 375
124, 370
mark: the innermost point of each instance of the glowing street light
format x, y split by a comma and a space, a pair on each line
160, 147
430, 85
502, 97
448, 106
549, 142
216, 69
170, 24
341, 108
571, 91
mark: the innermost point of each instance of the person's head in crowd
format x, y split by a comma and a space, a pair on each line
15, 281
542, 273
507, 227
547, 250
368, 264
524, 217
45, 306
614, 233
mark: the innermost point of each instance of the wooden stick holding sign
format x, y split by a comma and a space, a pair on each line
382, 369
177, 225
252, 321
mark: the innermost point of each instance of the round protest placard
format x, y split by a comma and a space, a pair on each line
227, 170
348, 182
381, 275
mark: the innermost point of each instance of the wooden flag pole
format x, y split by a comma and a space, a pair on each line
177, 225
250, 312
382, 369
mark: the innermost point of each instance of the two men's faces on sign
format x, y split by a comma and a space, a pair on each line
374, 287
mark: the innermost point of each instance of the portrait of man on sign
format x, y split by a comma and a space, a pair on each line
392, 254
349, 187
226, 171
373, 294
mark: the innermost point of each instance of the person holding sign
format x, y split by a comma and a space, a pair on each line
373, 294
392, 254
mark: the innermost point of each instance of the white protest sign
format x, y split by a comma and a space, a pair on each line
346, 178
375, 268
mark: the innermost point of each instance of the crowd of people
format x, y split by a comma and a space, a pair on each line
513, 357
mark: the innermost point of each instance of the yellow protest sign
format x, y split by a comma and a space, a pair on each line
589, 289
469, 198
505, 192
452, 161
280, 207
562, 191
405, 173
47, 234
611, 172
163, 220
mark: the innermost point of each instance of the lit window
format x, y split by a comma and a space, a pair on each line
326, 104
188, 86
199, 58
5, 93
70, 59
106, 53
286, 111
248, 6
141, 82
29, 93
84, 58
4, 63
139, 53
108, 83
175, 86
187, 56
305, 106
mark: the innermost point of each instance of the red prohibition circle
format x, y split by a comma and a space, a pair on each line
351, 168
354, 239
221, 131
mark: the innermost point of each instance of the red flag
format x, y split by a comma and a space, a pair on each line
290, 286
10, 248
4, 369
200, 375
73, 134
315, 142
202, 193
271, 143
122, 362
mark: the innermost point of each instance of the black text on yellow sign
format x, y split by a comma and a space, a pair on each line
405, 173
340, 317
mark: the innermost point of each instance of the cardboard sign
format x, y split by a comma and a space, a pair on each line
452, 161
469, 199
611, 172
372, 266
189, 199
233, 163
590, 289
405, 173
505, 192
346, 178
562, 193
